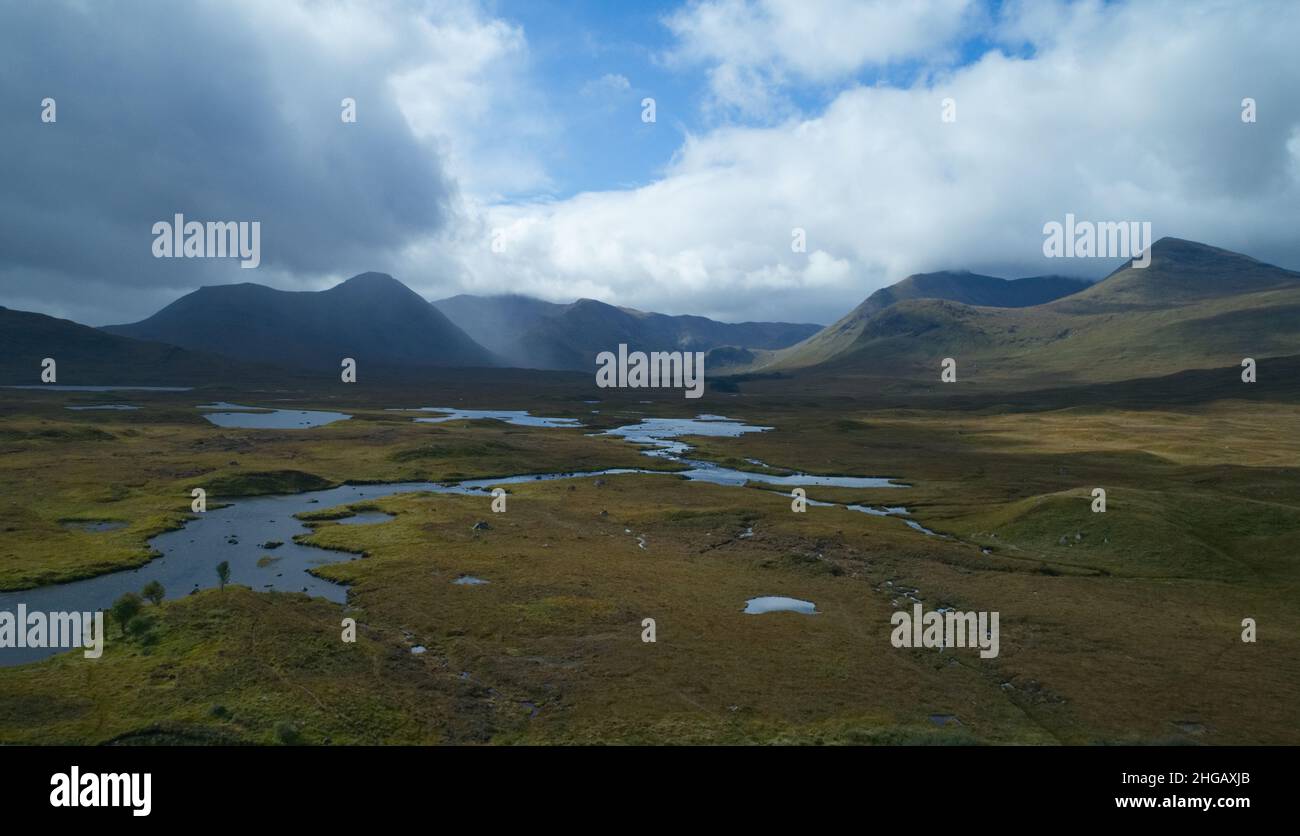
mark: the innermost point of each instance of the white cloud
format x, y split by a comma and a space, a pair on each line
754, 47
232, 111
608, 84
472, 99
458, 76
1109, 120
1122, 112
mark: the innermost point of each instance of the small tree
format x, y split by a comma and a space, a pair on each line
125, 608
223, 573
139, 625
287, 733
154, 591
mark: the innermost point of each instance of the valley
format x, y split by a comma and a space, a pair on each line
1122, 627
628, 513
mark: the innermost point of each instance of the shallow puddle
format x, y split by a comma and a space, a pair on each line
365, 518
777, 603
519, 417
94, 526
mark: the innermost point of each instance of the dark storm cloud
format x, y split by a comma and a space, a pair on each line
196, 108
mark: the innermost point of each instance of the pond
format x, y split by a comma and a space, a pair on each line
518, 417
257, 418
778, 603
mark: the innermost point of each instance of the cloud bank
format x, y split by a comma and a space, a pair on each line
230, 111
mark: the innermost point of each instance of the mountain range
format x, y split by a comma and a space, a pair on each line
962, 287
1194, 307
372, 318
530, 333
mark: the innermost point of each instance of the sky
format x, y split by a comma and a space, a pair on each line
504, 147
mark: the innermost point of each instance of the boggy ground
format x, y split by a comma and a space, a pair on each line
1115, 627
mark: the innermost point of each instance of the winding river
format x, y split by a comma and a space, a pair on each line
244, 532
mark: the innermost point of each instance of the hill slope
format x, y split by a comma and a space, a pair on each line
1195, 306
963, 287
86, 356
371, 317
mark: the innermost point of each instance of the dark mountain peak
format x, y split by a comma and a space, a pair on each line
1179, 253
370, 280
371, 315
954, 275
237, 287
372, 284
1170, 246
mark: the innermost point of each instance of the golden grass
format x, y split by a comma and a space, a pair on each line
1128, 634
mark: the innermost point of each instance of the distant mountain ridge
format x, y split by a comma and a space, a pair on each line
962, 287
371, 317
975, 289
1194, 306
533, 333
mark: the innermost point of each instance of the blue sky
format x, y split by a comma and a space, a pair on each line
575, 46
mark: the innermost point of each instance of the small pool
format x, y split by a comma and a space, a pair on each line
94, 526
365, 518
519, 417
778, 603
245, 418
